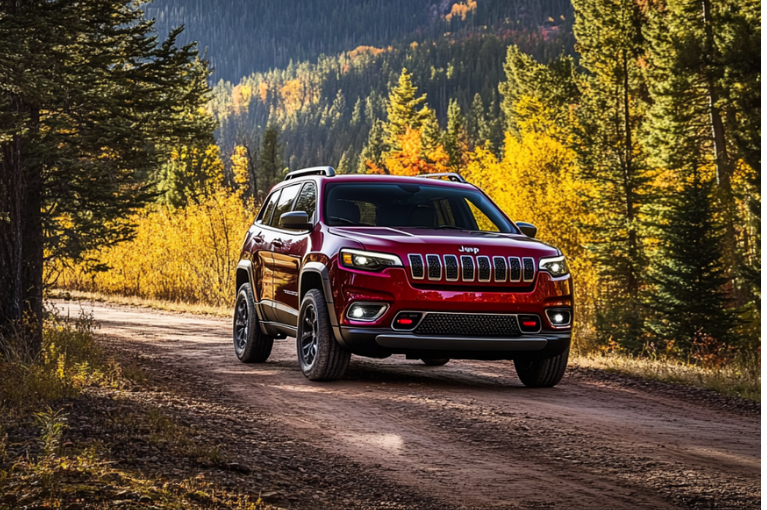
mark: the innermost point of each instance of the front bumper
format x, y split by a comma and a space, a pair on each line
383, 342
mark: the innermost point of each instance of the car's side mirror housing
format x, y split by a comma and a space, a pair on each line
527, 228
295, 220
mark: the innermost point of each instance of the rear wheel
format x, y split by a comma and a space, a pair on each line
435, 362
320, 356
543, 373
250, 344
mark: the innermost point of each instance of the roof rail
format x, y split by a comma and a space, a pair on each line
451, 176
315, 170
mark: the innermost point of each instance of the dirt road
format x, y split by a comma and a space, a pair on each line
469, 435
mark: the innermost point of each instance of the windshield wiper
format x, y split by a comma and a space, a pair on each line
452, 227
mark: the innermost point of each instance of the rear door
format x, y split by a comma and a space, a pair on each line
288, 256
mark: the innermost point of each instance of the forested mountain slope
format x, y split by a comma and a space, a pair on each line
246, 36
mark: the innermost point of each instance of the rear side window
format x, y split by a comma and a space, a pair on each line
266, 211
307, 200
284, 204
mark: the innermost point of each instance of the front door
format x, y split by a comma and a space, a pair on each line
288, 256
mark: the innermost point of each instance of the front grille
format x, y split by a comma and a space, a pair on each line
500, 269
483, 264
416, 266
435, 268
515, 269
451, 268
467, 265
529, 269
468, 325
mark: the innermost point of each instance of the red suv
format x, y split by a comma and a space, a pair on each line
381, 265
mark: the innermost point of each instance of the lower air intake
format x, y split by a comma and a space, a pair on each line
468, 325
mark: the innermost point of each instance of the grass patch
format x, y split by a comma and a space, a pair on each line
138, 302
75, 433
742, 378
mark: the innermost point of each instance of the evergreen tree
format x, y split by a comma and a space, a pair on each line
612, 159
478, 127
90, 106
402, 110
374, 150
689, 301
431, 136
455, 140
270, 164
705, 61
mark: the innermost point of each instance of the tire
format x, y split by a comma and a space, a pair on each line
320, 356
435, 362
251, 345
544, 373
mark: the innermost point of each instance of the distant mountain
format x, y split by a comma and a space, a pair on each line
246, 36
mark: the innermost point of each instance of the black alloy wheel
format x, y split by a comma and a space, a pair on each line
320, 356
251, 345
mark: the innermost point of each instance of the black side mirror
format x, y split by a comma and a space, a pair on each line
295, 220
527, 228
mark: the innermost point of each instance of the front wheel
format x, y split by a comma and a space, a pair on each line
251, 345
320, 356
544, 373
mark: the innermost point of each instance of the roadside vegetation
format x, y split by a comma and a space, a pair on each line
43, 462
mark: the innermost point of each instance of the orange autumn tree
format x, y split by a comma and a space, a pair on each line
413, 158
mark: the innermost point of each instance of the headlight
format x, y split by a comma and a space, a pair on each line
555, 266
368, 260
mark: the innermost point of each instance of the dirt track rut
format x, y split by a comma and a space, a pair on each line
469, 434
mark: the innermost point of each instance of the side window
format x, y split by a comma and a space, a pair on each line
266, 210
284, 203
307, 200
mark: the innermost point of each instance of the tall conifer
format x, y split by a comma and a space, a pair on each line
402, 109
612, 159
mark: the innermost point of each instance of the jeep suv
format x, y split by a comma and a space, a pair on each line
381, 265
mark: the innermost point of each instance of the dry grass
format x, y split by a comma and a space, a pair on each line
741, 378
138, 302
42, 465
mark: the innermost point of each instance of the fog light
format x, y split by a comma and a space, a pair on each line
406, 320
366, 312
559, 318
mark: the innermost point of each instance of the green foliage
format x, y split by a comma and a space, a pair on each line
455, 140
612, 159
271, 169
690, 300
403, 111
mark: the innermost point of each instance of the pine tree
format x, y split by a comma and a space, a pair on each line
478, 127
373, 153
270, 165
455, 139
704, 59
431, 136
402, 110
612, 159
689, 273
90, 107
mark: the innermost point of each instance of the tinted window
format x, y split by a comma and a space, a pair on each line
268, 208
412, 205
306, 200
284, 203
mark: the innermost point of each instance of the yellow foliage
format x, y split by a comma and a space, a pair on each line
461, 9
179, 254
291, 95
263, 91
365, 50
241, 95
240, 164
411, 160
535, 182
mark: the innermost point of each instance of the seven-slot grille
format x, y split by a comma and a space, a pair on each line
468, 324
467, 268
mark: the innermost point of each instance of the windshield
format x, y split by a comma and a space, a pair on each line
413, 206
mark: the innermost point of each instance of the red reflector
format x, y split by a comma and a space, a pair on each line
531, 324
405, 322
